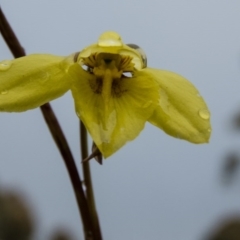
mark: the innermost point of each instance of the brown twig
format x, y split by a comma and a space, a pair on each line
10, 37
88, 181
65, 151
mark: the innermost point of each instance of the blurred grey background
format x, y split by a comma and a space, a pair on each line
155, 187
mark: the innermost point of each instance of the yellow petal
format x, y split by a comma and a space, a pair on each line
181, 111
125, 115
31, 81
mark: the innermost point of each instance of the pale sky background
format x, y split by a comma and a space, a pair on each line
155, 187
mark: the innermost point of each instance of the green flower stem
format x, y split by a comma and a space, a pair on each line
88, 181
57, 134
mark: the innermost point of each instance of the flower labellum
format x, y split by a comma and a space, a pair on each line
114, 91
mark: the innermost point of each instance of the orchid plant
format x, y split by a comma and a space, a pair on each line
114, 92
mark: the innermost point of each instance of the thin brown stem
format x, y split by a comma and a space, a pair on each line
10, 37
66, 154
88, 181
57, 134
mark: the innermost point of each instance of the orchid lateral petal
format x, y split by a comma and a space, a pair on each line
29, 82
181, 111
125, 115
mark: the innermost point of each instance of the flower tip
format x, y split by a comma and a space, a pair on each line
202, 138
110, 39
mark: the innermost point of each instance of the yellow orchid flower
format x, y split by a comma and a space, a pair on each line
114, 91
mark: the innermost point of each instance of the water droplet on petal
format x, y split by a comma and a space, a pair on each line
45, 76
3, 92
204, 114
110, 39
78, 114
209, 130
5, 65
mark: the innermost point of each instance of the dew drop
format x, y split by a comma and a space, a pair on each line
204, 114
78, 114
110, 39
4, 92
5, 65
43, 77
